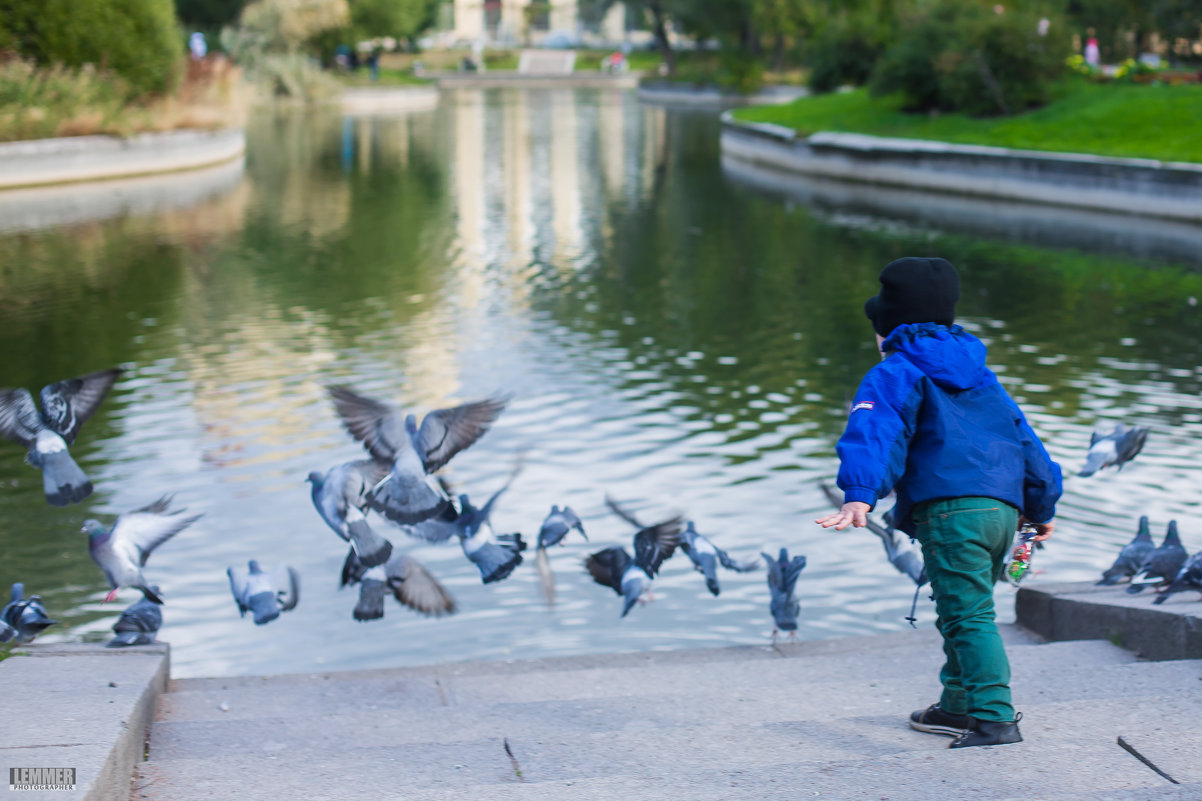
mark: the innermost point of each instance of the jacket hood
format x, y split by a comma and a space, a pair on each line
948, 355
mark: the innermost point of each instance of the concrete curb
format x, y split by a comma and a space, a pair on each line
1129, 186
81, 706
1085, 611
383, 100
710, 97
516, 80
90, 158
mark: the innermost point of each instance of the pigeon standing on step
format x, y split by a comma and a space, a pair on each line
66, 406
706, 557
1163, 564
405, 577
1131, 558
409, 493
139, 623
631, 577
555, 527
122, 551
782, 580
265, 594
1189, 577
26, 617
1113, 449
340, 497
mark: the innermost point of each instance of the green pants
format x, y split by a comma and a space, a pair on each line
965, 542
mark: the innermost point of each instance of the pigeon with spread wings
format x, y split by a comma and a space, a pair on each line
409, 493
406, 578
121, 551
631, 577
66, 406
264, 593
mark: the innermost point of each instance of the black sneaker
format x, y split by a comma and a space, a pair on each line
990, 732
934, 720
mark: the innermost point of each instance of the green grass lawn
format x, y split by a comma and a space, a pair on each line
1145, 121
388, 77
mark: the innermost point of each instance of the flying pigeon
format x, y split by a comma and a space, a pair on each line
631, 578
1162, 564
900, 549
555, 527
341, 499
409, 494
1189, 577
24, 618
706, 557
264, 594
405, 577
782, 578
66, 405
1116, 448
138, 623
496, 555
1132, 557
122, 551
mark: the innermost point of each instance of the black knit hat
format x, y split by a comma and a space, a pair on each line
914, 291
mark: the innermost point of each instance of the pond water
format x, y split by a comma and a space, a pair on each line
671, 335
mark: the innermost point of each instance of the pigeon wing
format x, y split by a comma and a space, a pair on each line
656, 543
286, 581
1131, 443
149, 527
352, 569
445, 432
606, 567
486, 511
19, 418
67, 405
238, 577
360, 477
417, 589
377, 425
731, 563
621, 512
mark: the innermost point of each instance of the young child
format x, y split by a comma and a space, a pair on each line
932, 422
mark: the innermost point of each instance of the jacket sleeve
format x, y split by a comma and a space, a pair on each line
872, 450
1042, 482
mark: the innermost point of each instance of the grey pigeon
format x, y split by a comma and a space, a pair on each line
340, 497
264, 593
496, 555
1131, 557
1163, 563
631, 577
900, 549
1189, 577
26, 617
555, 527
122, 551
405, 577
1113, 449
409, 494
782, 579
66, 405
7, 633
706, 557
138, 624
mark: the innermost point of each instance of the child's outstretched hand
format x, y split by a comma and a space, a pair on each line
852, 514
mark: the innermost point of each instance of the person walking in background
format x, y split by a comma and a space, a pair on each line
932, 422
1092, 55
197, 46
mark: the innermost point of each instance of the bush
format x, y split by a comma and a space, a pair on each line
963, 56
139, 40
844, 52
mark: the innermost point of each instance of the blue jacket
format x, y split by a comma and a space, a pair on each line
931, 421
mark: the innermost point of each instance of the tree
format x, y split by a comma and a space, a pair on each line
402, 19
208, 15
287, 25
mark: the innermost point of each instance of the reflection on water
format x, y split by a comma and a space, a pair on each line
670, 335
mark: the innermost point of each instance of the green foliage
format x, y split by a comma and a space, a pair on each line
844, 51
960, 55
138, 40
208, 15
38, 103
1141, 121
294, 76
402, 19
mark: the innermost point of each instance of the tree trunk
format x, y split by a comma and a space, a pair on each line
660, 28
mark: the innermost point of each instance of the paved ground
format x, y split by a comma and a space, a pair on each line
815, 720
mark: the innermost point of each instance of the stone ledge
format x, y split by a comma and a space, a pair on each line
1145, 187
1085, 611
90, 158
81, 706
